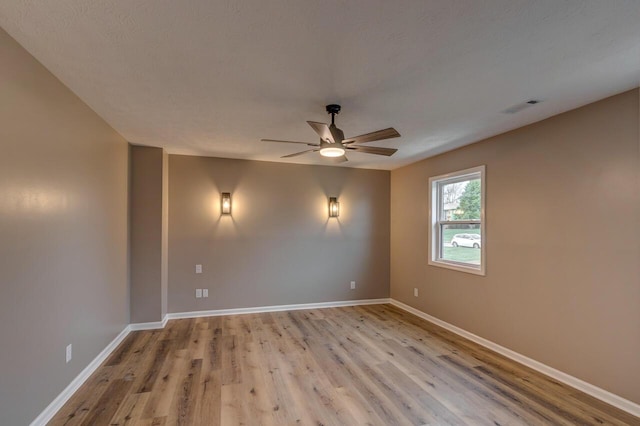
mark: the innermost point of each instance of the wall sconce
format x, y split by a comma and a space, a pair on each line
225, 203
334, 207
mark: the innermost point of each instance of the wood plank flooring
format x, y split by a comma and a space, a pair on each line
367, 365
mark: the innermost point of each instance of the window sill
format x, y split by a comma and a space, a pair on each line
460, 267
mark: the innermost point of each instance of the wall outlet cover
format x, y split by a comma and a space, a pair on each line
198, 293
198, 269
205, 292
353, 285
415, 292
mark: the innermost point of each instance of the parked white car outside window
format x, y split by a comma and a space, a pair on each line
466, 240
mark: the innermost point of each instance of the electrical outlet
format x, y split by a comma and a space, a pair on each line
198, 293
353, 285
69, 353
205, 292
198, 269
415, 292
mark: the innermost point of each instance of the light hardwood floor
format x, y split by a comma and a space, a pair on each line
340, 366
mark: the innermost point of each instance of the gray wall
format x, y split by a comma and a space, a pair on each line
63, 235
279, 246
164, 272
562, 242
148, 233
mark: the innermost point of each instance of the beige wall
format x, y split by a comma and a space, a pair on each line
164, 271
63, 235
279, 247
563, 243
148, 233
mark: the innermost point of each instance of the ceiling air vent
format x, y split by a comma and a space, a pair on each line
520, 107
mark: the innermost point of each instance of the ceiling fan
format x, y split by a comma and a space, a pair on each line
333, 143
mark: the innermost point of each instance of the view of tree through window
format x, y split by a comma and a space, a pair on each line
457, 238
469, 201
463, 204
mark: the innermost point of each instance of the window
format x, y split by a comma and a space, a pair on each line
457, 237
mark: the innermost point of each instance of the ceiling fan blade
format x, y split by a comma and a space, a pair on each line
336, 133
322, 130
276, 140
372, 150
298, 153
373, 136
338, 160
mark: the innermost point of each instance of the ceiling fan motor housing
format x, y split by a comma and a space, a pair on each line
333, 109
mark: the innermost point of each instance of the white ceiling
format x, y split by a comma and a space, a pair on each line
213, 77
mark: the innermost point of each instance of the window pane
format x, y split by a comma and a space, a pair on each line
460, 200
461, 243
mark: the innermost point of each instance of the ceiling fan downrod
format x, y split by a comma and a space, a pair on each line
333, 109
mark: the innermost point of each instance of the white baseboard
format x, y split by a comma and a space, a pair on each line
149, 325
75, 384
277, 308
254, 310
603, 395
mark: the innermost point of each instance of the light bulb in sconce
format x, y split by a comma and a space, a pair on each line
225, 203
334, 207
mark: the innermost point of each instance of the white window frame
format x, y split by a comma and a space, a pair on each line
436, 223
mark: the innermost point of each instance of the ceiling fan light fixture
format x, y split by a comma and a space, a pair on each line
332, 151
333, 143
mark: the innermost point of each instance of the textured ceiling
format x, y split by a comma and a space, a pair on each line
213, 77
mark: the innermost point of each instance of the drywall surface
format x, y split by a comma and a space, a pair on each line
63, 228
164, 277
213, 77
148, 208
562, 243
279, 246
